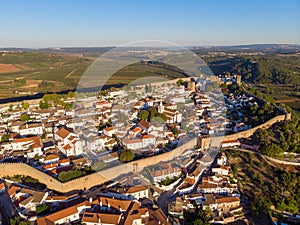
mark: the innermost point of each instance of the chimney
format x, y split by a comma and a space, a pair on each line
90, 199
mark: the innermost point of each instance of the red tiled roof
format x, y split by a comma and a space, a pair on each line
36, 141
63, 132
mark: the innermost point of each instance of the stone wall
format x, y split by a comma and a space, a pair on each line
10, 169
247, 133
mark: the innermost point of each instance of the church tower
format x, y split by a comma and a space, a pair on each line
161, 107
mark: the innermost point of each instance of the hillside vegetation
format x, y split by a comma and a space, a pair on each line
263, 186
265, 69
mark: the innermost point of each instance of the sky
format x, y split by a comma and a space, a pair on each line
95, 23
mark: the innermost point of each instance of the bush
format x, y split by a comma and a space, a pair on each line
74, 173
169, 181
42, 209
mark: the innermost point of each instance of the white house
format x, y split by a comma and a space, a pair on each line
133, 143
223, 170
31, 128
68, 142
30, 145
165, 171
138, 192
109, 131
148, 140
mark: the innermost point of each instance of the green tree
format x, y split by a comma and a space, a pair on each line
10, 108
24, 117
175, 131
126, 155
162, 117
5, 138
44, 105
259, 205
25, 105
71, 94
17, 221
179, 82
143, 115
152, 112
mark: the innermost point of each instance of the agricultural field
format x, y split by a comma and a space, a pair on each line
286, 94
27, 73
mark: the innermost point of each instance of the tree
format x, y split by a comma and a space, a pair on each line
179, 82
44, 105
71, 94
259, 205
153, 112
126, 155
114, 136
175, 131
24, 117
162, 116
10, 108
5, 138
17, 221
25, 105
144, 115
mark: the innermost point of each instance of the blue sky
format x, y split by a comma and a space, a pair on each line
58, 23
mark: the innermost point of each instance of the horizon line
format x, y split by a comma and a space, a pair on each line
122, 46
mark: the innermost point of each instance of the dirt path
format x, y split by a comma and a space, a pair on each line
69, 74
288, 100
289, 168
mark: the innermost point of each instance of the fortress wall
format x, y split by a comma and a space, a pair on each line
10, 169
249, 132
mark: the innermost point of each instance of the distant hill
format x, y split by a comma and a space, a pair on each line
203, 48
